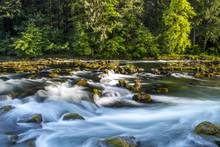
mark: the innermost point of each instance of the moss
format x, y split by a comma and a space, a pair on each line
121, 142
96, 92
118, 142
72, 116
36, 118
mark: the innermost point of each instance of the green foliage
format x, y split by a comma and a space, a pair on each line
142, 43
207, 23
80, 41
32, 42
10, 8
110, 28
178, 26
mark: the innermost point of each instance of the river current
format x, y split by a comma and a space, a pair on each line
168, 122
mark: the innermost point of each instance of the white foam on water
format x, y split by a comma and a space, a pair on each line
169, 123
65, 92
111, 78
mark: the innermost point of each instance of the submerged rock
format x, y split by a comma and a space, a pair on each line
13, 139
207, 128
162, 90
36, 118
120, 142
72, 116
142, 98
6, 109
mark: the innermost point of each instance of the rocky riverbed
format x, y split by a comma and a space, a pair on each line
54, 102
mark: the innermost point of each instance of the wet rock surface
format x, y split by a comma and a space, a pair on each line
128, 141
72, 116
208, 128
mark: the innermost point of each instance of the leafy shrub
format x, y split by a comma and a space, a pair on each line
32, 42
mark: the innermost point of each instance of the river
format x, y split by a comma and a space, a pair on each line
167, 122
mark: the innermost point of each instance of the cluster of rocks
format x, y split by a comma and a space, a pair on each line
199, 69
139, 95
34, 119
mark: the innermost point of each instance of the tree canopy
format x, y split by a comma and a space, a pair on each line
110, 28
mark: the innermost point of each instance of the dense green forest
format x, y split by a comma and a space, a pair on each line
109, 28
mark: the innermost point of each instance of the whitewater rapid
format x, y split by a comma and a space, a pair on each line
169, 122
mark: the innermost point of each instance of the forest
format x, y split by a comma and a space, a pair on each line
131, 29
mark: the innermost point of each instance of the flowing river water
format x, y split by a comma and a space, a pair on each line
167, 122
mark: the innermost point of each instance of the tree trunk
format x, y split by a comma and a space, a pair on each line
205, 44
194, 37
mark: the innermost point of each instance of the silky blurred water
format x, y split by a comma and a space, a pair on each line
169, 122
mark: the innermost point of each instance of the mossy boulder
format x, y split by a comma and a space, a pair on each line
207, 128
72, 116
36, 118
121, 142
142, 98
82, 82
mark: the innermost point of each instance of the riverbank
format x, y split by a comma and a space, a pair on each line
197, 68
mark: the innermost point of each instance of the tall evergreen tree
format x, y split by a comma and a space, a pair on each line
178, 26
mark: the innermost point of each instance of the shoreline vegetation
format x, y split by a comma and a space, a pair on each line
125, 29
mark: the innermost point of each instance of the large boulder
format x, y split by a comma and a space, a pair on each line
120, 142
207, 128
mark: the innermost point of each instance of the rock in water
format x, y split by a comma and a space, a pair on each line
82, 82
72, 116
120, 142
36, 118
208, 128
6, 109
142, 98
123, 83
137, 86
162, 90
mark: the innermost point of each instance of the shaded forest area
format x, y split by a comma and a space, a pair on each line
109, 28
